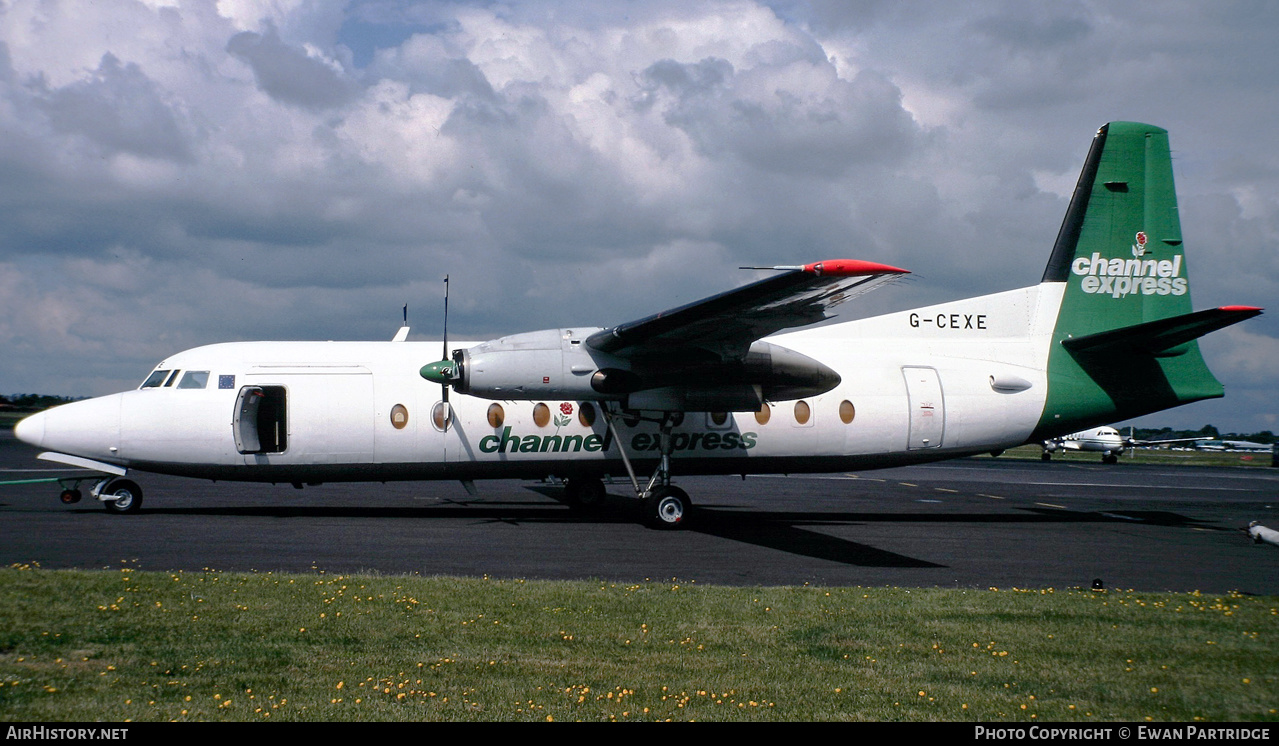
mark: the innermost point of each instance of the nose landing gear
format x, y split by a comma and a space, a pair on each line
121, 496
118, 496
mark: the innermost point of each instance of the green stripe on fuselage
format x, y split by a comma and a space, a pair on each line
1126, 267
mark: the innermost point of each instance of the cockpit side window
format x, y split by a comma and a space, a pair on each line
194, 379
155, 380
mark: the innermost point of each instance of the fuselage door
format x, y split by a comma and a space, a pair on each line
245, 423
927, 408
260, 423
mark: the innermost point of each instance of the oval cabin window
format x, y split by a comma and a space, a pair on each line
586, 414
441, 415
496, 416
399, 416
765, 412
802, 412
847, 412
541, 415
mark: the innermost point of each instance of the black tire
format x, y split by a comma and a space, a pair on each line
70, 496
585, 494
125, 496
667, 508
1046, 457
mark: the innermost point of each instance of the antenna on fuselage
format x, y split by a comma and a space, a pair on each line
403, 333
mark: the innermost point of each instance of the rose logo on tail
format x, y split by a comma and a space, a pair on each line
1139, 248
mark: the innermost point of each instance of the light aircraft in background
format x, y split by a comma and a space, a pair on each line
1111, 444
1214, 444
1105, 440
738, 383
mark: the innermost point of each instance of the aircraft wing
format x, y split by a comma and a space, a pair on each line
722, 327
1167, 440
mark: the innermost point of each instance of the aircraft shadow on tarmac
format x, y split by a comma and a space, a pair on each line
778, 530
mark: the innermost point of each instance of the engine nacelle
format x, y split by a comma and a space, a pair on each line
548, 364
558, 364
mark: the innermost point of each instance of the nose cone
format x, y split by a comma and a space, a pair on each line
30, 430
88, 428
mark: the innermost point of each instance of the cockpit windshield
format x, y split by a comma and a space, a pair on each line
155, 380
165, 378
194, 379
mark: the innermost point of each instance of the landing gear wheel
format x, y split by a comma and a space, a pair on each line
123, 496
1110, 458
1046, 456
70, 496
585, 494
667, 508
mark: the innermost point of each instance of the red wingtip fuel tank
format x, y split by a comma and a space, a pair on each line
851, 268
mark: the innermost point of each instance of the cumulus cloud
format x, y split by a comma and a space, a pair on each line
120, 109
181, 172
289, 74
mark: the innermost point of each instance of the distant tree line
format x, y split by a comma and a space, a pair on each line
1207, 431
34, 402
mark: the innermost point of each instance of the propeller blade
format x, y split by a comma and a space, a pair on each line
444, 388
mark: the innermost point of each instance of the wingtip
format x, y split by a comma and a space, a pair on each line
852, 267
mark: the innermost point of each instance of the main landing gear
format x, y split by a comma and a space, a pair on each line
585, 494
664, 505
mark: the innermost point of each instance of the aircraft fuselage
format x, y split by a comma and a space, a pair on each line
910, 392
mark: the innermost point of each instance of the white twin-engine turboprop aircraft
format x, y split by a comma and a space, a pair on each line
712, 387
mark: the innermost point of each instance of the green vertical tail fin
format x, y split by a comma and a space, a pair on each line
1124, 343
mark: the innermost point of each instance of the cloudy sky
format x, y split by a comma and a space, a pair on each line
176, 173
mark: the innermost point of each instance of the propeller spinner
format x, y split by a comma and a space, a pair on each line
443, 372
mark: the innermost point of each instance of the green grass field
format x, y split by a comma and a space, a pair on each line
134, 646
116, 646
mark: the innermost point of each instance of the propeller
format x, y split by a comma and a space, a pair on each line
443, 372
444, 355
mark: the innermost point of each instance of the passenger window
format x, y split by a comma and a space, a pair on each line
155, 380
194, 379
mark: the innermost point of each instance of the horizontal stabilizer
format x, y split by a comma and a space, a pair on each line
1160, 336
